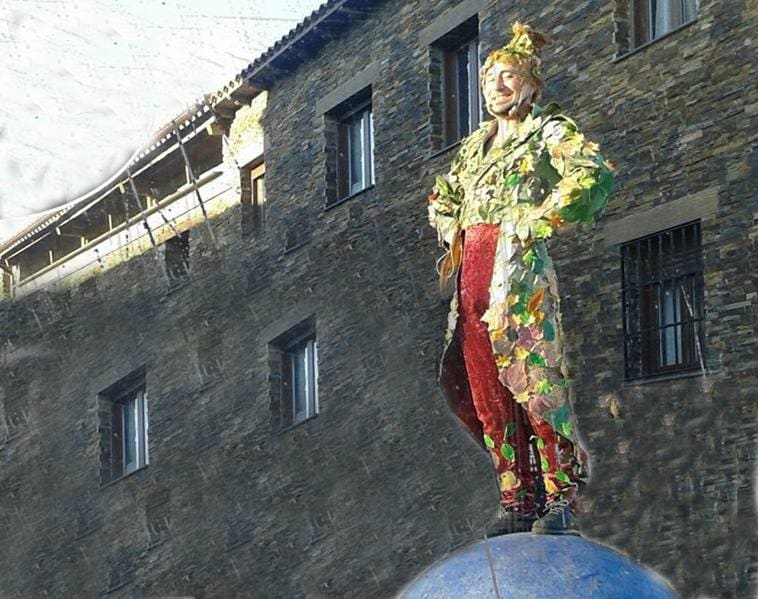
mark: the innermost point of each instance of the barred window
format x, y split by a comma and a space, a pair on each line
662, 295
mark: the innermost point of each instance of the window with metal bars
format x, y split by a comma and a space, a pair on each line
662, 296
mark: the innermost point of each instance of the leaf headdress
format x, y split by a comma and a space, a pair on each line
522, 52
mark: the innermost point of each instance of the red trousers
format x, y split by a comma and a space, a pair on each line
521, 446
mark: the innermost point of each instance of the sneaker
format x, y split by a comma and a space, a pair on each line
558, 520
508, 521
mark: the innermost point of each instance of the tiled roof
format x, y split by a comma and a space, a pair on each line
199, 112
313, 31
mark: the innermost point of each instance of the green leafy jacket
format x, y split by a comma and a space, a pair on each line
544, 177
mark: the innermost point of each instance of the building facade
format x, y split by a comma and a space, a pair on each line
221, 382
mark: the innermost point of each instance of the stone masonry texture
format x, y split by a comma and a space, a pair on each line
383, 482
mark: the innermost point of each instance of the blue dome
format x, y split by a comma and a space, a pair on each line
528, 565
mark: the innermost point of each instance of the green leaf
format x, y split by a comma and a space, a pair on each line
544, 387
489, 442
542, 229
540, 443
537, 360
510, 428
544, 464
562, 476
567, 429
508, 452
512, 180
548, 330
521, 494
564, 383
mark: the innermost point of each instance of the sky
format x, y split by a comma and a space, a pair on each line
85, 83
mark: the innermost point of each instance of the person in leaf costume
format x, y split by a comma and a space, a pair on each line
515, 181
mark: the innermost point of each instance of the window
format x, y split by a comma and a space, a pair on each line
253, 198
662, 293
355, 152
294, 365
299, 364
652, 19
352, 126
456, 97
177, 258
123, 427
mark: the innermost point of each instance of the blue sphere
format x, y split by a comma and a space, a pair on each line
526, 565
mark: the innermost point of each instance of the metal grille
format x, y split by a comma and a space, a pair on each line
662, 297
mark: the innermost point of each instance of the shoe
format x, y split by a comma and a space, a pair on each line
509, 521
558, 520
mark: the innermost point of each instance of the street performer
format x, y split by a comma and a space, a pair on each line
517, 180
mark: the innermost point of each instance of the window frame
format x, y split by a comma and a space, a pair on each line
645, 280
448, 127
138, 399
298, 342
363, 115
454, 128
309, 348
177, 248
129, 394
253, 197
639, 39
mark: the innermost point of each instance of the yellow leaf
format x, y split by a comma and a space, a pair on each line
522, 397
520, 352
550, 487
535, 301
503, 361
509, 481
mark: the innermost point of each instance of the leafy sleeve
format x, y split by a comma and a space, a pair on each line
445, 203
583, 178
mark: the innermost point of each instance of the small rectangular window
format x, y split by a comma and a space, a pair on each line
652, 19
355, 150
177, 258
663, 303
461, 91
294, 376
302, 362
456, 94
123, 427
253, 198
350, 147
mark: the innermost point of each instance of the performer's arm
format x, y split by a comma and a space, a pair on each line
445, 204
582, 179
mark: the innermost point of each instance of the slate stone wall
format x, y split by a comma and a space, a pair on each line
356, 501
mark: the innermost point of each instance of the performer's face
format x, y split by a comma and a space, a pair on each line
502, 89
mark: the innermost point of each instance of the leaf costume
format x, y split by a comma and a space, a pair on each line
542, 178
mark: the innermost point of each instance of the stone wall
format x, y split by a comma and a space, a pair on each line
355, 502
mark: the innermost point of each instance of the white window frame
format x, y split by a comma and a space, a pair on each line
306, 350
363, 118
139, 443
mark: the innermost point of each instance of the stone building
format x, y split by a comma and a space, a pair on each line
216, 388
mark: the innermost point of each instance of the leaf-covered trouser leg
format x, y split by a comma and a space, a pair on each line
506, 430
560, 469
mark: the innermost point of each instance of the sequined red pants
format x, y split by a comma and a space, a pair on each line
507, 425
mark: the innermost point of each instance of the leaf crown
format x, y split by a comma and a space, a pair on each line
522, 52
